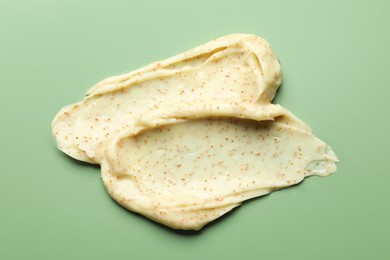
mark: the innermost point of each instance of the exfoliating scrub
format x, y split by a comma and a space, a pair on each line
184, 140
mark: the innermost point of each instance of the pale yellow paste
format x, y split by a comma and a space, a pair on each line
184, 140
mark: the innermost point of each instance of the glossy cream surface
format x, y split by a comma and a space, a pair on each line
184, 140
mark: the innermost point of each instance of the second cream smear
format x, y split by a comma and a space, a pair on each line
184, 140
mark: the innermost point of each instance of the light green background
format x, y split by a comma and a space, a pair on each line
335, 59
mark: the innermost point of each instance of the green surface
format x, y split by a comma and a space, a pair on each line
335, 59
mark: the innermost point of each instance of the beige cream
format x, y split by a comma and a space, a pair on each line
184, 140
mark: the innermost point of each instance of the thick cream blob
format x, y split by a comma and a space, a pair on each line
184, 140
